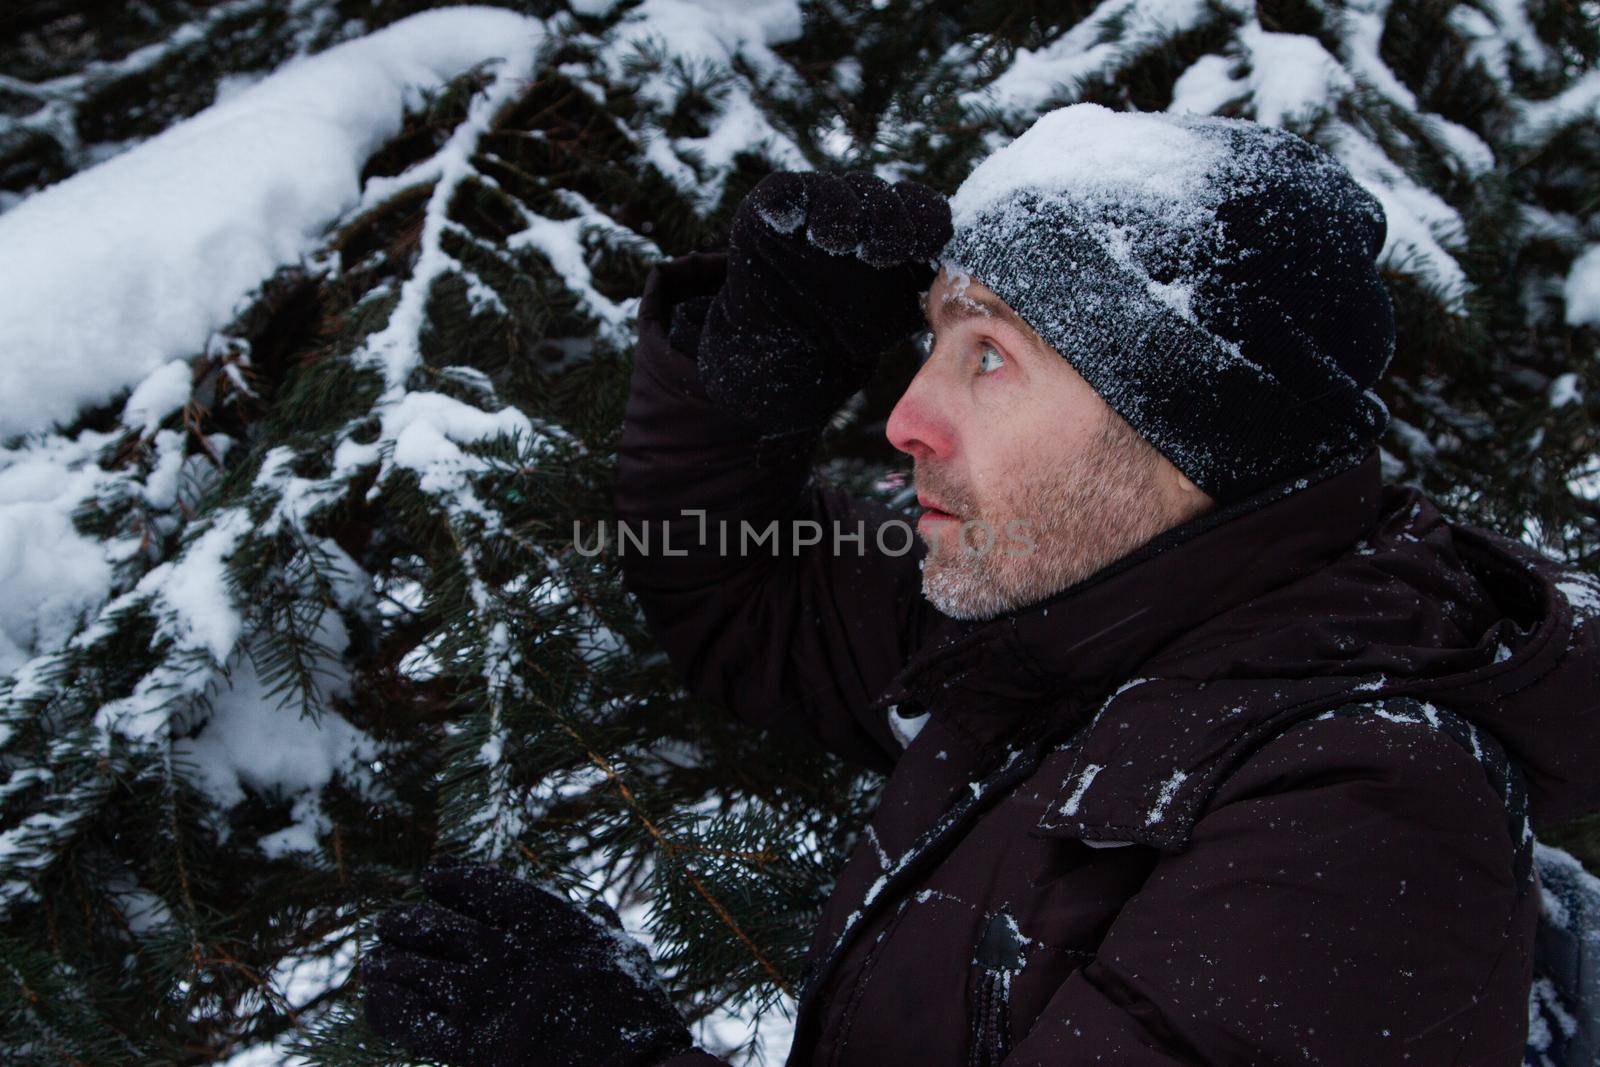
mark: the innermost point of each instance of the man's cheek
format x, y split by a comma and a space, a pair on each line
1019, 538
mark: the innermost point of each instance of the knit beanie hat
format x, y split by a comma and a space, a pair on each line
1214, 280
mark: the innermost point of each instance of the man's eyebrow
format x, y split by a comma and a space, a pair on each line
954, 309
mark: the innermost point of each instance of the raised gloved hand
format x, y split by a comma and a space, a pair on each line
497, 972
824, 272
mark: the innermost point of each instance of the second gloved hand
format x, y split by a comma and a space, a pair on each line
824, 273
498, 972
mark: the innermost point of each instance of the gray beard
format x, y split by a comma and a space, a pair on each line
1079, 518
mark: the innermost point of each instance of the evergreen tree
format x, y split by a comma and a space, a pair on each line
351, 617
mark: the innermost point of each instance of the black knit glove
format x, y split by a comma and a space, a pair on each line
497, 972
824, 272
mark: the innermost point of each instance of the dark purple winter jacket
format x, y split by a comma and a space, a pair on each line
1259, 793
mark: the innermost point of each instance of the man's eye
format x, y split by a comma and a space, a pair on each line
924, 343
990, 359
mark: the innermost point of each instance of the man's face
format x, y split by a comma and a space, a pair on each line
1028, 480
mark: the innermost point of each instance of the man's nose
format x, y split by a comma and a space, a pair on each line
920, 425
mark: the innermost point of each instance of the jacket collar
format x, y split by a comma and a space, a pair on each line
1092, 636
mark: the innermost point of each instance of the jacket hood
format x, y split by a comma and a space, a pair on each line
1540, 692
1167, 670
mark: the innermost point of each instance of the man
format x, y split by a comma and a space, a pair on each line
1203, 745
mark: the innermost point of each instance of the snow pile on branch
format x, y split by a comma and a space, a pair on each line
1094, 47
704, 38
51, 575
111, 273
1583, 289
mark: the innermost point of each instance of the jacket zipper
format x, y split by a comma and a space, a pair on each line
999, 957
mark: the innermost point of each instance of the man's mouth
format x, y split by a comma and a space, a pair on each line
932, 512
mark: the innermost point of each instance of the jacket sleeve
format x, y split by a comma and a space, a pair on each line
789, 636
1349, 899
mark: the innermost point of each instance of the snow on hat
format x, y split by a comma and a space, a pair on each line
1213, 279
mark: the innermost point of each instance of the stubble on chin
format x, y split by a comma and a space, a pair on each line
1060, 525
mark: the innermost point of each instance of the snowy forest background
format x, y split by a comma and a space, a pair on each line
315, 320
